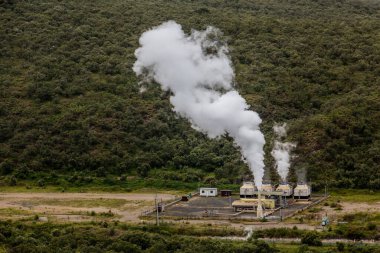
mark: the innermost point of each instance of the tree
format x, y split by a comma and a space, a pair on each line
6, 167
311, 239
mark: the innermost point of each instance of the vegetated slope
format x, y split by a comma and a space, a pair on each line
69, 100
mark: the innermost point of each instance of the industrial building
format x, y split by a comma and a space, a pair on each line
302, 191
268, 198
248, 190
249, 204
267, 188
286, 189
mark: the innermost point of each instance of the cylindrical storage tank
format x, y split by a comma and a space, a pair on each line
286, 189
247, 190
302, 191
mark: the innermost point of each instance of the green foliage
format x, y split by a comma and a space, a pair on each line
353, 231
69, 100
278, 233
311, 239
340, 246
17, 237
41, 183
11, 180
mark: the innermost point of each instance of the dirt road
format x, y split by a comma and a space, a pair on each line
78, 206
53, 195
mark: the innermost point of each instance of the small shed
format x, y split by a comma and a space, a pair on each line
225, 193
208, 192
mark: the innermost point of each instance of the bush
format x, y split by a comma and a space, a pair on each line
340, 246
303, 249
41, 183
354, 233
371, 226
11, 181
122, 246
140, 239
6, 167
311, 239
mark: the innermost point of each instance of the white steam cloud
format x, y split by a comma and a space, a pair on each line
281, 151
198, 72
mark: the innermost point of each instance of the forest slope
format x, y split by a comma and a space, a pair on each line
70, 102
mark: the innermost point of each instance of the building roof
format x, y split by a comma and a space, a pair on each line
302, 187
244, 203
252, 202
283, 187
248, 186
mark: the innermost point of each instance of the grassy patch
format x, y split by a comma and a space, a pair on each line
109, 185
350, 195
109, 203
13, 211
295, 248
22, 188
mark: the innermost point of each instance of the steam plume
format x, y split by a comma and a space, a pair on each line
198, 72
301, 175
281, 151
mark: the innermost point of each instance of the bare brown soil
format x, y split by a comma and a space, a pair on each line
128, 207
64, 206
348, 208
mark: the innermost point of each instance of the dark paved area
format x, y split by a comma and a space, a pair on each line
201, 206
217, 206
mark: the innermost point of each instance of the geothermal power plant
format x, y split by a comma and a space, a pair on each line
271, 201
269, 197
203, 91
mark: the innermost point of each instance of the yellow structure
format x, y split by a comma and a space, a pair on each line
253, 203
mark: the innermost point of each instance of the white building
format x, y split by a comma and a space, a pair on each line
208, 192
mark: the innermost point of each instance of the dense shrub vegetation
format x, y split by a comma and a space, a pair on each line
69, 100
103, 237
117, 237
351, 231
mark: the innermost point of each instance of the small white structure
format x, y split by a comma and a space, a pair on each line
208, 192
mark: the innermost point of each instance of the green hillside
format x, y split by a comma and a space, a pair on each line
70, 106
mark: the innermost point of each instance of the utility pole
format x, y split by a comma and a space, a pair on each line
156, 204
